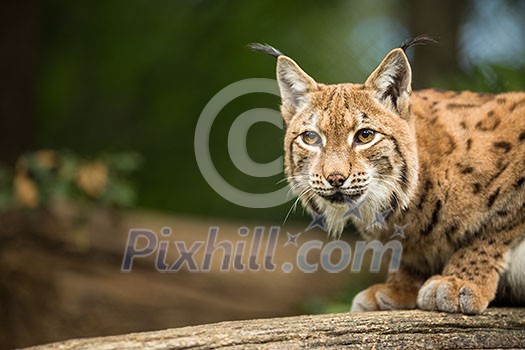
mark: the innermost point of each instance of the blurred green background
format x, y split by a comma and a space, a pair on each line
94, 77
114, 90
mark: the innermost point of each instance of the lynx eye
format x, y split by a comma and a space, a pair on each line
365, 136
311, 138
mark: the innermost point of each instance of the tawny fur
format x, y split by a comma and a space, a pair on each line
449, 165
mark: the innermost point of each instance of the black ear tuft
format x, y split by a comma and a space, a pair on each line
265, 48
422, 39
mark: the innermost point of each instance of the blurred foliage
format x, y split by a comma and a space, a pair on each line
43, 177
487, 78
120, 75
136, 75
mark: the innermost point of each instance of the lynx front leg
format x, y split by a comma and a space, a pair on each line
470, 279
399, 292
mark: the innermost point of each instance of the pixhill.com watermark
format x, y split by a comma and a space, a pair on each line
256, 251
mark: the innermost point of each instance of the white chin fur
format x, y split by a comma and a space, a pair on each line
374, 201
334, 217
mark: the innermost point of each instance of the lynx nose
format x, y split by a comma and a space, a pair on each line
336, 180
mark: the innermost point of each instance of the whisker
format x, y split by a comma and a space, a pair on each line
306, 191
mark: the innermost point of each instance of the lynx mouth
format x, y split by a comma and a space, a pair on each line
341, 198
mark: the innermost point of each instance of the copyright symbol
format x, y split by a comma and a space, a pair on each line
237, 144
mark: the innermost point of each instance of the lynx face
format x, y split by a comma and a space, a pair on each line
347, 143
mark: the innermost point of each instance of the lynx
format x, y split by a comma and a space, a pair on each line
447, 167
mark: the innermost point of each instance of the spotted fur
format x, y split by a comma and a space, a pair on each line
449, 165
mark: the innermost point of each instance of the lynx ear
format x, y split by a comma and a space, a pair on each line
391, 82
295, 86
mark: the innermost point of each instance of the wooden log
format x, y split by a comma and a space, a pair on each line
496, 328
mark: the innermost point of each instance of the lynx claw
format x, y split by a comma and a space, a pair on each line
451, 294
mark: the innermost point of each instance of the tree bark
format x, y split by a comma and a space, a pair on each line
496, 328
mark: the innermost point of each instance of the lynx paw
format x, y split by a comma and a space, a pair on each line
383, 297
451, 294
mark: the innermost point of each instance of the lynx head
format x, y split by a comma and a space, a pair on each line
349, 144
